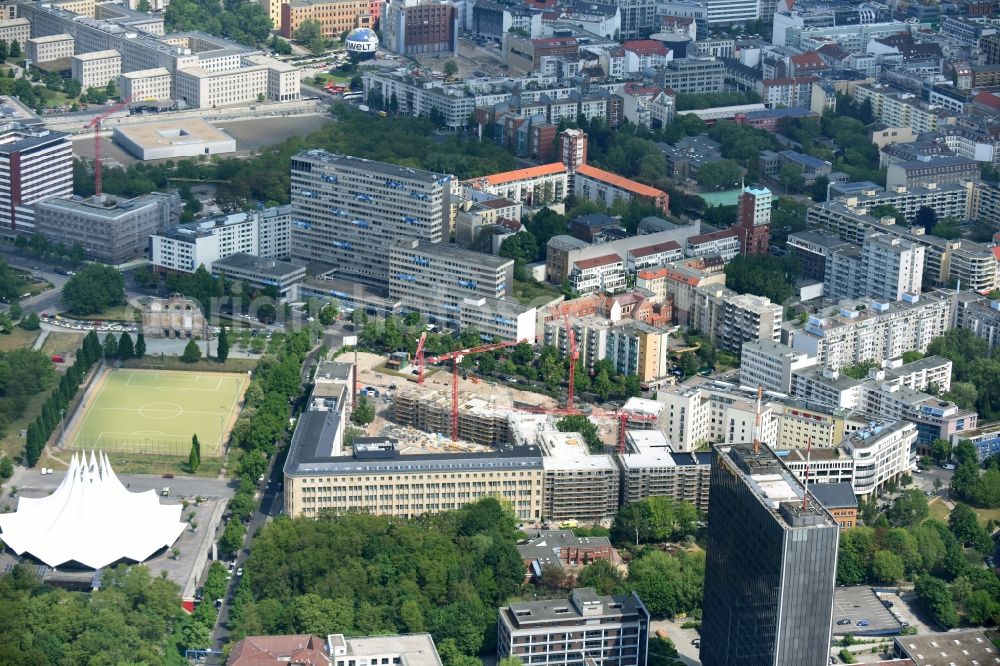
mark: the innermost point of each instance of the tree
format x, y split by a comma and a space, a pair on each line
194, 457
14, 311
934, 596
940, 450
910, 508
14, 50
887, 567
232, 537
192, 352
31, 322
125, 348
819, 188
965, 453
768, 276
3, 51
964, 524
450, 68
364, 411
140, 345
583, 425
719, 175
328, 314
310, 34
6, 468
110, 347
222, 345
94, 289
790, 176
601, 575
688, 364
926, 217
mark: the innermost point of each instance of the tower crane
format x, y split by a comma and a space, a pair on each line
420, 357
574, 354
95, 122
456, 357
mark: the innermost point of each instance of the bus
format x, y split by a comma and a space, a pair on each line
353, 96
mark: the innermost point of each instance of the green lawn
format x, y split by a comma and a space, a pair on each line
938, 510
18, 339
529, 292
58, 342
157, 412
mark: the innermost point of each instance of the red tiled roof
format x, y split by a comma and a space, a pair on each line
277, 650
523, 174
655, 249
618, 181
988, 99
808, 59
996, 253
605, 260
646, 47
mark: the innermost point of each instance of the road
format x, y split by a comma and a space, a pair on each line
271, 504
681, 638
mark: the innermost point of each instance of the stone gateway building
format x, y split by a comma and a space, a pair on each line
174, 317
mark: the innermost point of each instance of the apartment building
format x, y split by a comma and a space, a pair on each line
97, 69
35, 164
639, 349
15, 30
902, 109
110, 230
678, 283
348, 212
146, 84
435, 279
979, 315
697, 413
729, 319
724, 243
607, 188
770, 364
611, 630
532, 186
185, 247
868, 330
578, 485
813, 250
651, 468
604, 274
885, 268
49, 48
334, 16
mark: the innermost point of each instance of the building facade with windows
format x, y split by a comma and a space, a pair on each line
35, 164
611, 630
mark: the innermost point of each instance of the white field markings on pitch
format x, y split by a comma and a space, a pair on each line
169, 378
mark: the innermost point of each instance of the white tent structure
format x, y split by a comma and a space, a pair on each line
91, 519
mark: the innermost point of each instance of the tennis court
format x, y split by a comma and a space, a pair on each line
157, 411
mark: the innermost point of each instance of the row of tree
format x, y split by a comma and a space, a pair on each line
24, 373
54, 408
122, 348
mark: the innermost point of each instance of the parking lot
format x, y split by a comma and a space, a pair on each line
861, 605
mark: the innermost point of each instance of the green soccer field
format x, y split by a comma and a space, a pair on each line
156, 411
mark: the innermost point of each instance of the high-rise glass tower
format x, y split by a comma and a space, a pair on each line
771, 566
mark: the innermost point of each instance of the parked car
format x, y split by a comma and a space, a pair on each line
887, 603
843, 621
862, 623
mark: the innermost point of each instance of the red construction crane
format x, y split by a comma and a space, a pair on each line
456, 357
420, 357
95, 122
574, 354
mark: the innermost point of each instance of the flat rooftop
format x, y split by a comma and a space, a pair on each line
611, 608
248, 262
98, 55
370, 166
415, 649
567, 450
454, 253
171, 133
955, 647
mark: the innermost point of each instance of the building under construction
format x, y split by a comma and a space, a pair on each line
429, 410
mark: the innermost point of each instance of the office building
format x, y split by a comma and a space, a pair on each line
185, 247
610, 630
110, 230
35, 164
97, 69
771, 566
651, 468
15, 30
146, 84
49, 48
281, 277
347, 212
171, 139
377, 479
869, 330
335, 17
694, 75
939, 169
413, 27
754, 220
770, 364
